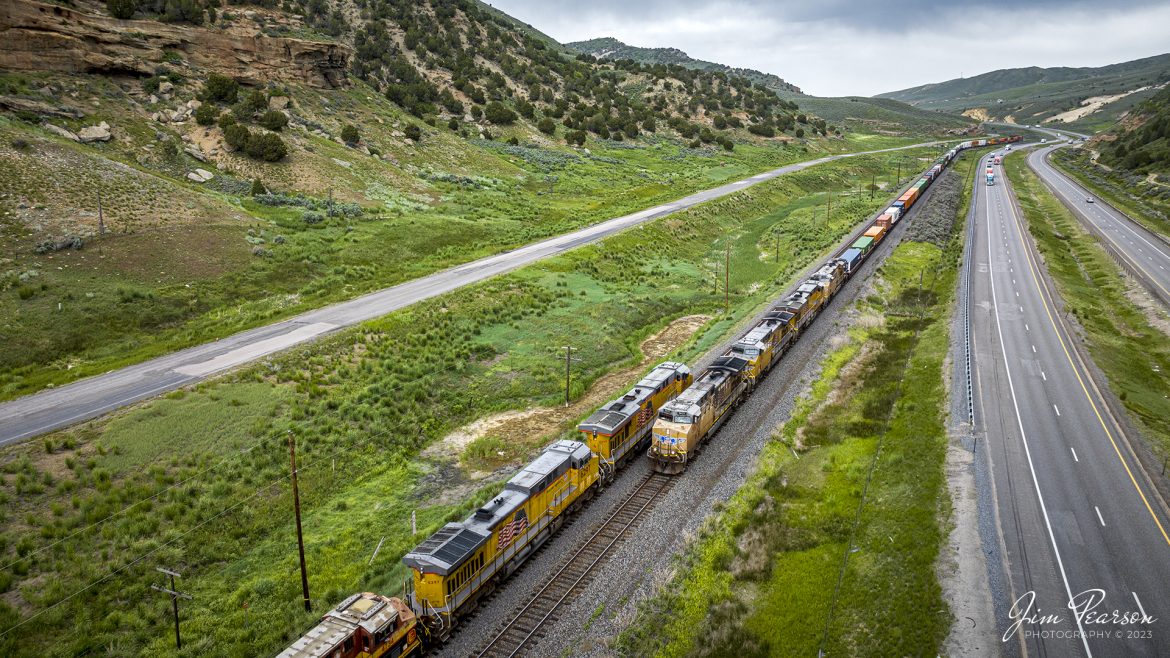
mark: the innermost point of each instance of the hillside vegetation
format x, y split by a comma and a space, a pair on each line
227, 202
1087, 98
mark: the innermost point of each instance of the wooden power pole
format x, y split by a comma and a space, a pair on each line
568, 361
101, 215
292, 453
175, 596
727, 277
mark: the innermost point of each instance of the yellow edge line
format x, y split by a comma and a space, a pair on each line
1077, 372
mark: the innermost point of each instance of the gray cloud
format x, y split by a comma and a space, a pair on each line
850, 47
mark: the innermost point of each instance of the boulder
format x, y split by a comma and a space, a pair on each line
343, 163
200, 176
67, 134
180, 115
153, 99
160, 117
193, 104
98, 133
278, 102
165, 88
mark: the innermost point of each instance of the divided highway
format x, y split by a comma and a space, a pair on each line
53, 409
1077, 517
1145, 254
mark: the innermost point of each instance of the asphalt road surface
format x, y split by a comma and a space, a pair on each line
1077, 517
88, 398
1144, 253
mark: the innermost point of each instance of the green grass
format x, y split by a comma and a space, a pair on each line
176, 268
362, 404
1147, 203
1134, 355
760, 579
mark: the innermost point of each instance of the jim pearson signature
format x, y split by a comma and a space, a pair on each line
1085, 608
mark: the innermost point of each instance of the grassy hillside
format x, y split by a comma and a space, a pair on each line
1142, 143
426, 157
1033, 95
881, 115
608, 48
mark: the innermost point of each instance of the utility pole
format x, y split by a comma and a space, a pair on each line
175, 595
829, 210
727, 278
292, 453
568, 360
899, 183
778, 238
101, 215
330, 210
872, 185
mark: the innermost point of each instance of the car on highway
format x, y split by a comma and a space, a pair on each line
1089, 199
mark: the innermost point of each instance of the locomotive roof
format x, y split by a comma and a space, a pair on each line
759, 333
448, 548
612, 416
721, 369
372, 612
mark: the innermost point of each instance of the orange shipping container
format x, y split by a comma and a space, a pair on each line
884, 220
876, 232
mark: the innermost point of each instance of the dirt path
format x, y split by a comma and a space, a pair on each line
538, 424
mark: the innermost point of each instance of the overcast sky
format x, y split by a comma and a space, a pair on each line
862, 47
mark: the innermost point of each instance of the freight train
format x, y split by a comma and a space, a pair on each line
670, 410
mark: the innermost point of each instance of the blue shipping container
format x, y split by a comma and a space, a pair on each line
851, 257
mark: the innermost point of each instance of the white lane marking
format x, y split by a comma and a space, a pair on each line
1033, 349
1099, 517
1021, 309
1056, 408
1043, 376
1074, 452
1026, 327
1017, 293
1027, 450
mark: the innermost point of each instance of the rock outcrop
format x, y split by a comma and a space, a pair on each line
40, 37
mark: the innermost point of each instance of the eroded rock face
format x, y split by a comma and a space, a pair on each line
41, 37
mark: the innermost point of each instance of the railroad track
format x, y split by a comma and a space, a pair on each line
576, 572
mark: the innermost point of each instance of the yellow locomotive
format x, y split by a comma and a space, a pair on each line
462, 561
620, 428
687, 421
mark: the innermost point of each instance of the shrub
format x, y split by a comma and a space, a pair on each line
121, 9
206, 114
253, 104
266, 146
414, 133
312, 217
498, 114
19, 144
226, 119
183, 11
220, 89
514, 141
257, 187
547, 126
800, 133
273, 120
350, 134
575, 137
236, 136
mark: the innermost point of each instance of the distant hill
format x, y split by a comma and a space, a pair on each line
879, 114
854, 112
1090, 98
1141, 143
612, 49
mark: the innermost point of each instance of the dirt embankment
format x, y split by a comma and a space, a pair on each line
532, 426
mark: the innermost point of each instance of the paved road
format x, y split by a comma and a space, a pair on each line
1145, 254
53, 409
1075, 511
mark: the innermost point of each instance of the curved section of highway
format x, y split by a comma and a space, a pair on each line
1078, 520
53, 409
1145, 254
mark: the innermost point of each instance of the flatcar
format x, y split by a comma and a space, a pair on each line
687, 421
620, 428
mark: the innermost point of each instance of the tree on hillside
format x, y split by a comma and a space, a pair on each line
547, 126
350, 135
122, 9
220, 89
499, 114
273, 120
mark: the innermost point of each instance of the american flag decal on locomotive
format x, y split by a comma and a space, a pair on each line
512, 530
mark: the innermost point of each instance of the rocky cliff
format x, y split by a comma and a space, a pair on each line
41, 37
